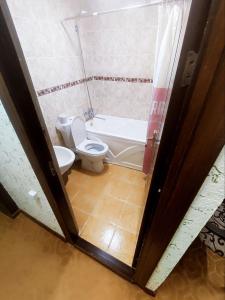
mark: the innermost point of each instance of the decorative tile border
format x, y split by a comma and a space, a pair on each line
83, 80
62, 86
123, 79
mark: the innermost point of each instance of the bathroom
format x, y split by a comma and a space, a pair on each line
96, 67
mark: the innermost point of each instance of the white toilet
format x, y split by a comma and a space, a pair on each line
91, 153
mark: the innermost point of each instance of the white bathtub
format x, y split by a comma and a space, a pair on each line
125, 137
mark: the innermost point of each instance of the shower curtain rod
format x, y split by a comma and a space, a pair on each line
85, 14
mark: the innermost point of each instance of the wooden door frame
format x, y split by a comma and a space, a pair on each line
21, 104
17, 95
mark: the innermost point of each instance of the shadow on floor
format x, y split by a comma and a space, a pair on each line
36, 265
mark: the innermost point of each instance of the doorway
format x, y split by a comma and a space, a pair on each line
122, 108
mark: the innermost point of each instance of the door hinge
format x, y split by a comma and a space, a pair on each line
52, 168
189, 68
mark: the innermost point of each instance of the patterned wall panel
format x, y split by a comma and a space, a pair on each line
213, 234
18, 178
209, 197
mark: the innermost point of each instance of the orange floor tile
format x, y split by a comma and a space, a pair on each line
109, 207
36, 265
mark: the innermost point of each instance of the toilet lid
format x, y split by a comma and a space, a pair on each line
78, 130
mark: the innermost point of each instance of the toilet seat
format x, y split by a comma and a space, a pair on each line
78, 130
92, 148
84, 145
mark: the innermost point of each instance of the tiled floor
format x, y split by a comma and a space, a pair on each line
108, 208
36, 265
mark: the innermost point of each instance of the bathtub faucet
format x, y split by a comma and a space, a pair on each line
89, 115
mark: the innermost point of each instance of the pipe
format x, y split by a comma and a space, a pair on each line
83, 65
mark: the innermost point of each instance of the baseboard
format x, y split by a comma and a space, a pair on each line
149, 292
9, 214
15, 214
43, 226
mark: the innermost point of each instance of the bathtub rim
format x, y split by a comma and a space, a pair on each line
116, 136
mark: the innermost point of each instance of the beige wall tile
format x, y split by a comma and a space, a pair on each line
52, 55
120, 44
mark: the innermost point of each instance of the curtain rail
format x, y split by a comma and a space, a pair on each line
85, 14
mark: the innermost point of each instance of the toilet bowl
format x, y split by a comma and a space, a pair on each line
65, 158
91, 153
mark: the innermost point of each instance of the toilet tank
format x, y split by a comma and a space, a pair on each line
63, 124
